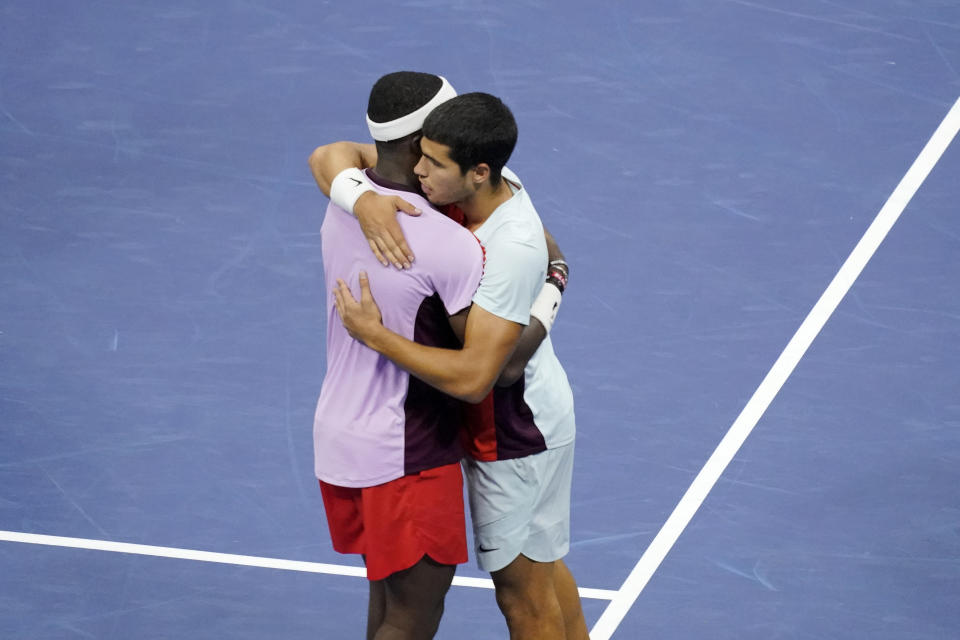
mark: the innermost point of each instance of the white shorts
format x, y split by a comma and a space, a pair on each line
520, 506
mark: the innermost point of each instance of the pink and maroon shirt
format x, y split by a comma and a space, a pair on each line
374, 422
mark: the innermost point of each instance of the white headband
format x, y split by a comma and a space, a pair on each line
412, 122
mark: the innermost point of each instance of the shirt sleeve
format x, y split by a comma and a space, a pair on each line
512, 275
458, 272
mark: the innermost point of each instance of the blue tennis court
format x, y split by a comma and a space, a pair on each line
763, 452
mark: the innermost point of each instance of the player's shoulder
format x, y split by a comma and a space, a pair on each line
433, 222
517, 221
435, 238
429, 218
510, 176
412, 197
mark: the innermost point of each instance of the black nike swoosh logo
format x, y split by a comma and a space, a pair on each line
357, 181
482, 550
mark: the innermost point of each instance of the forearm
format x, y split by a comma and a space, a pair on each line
466, 374
531, 337
330, 159
553, 249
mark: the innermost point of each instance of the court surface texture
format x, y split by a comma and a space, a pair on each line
759, 201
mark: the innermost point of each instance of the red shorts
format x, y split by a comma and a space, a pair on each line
393, 525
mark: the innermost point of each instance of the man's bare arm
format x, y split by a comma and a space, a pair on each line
468, 373
330, 159
553, 249
376, 213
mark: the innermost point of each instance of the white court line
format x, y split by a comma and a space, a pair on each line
229, 558
774, 380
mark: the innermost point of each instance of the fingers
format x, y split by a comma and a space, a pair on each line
343, 297
397, 232
397, 252
338, 296
403, 250
391, 252
337, 302
388, 244
397, 247
406, 207
378, 219
365, 295
368, 306
374, 246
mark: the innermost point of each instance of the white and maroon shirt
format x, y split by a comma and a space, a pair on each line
537, 412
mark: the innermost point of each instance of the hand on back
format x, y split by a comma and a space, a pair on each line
377, 215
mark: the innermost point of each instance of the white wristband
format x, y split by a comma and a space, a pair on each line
347, 187
546, 305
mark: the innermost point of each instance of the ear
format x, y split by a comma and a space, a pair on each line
414, 144
481, 174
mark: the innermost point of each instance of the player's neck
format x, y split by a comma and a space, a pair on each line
398, 171
483, 203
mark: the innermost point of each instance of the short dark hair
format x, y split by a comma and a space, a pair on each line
401, 93
478, 127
